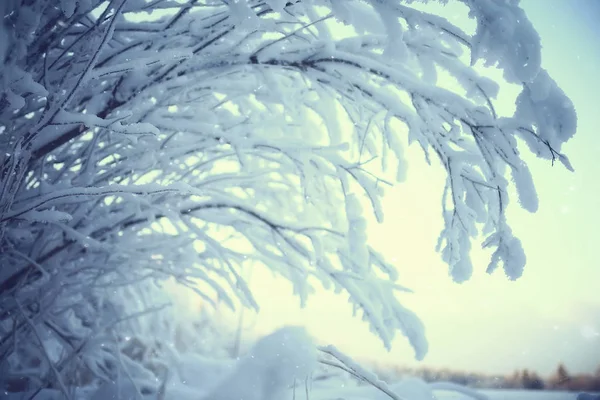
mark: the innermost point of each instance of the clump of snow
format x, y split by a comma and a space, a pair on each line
47, 216
547, 106
243, 15
275, 363
505, 36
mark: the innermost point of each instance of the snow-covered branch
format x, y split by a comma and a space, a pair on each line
142, 141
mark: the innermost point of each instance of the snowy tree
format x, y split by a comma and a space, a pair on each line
148, 140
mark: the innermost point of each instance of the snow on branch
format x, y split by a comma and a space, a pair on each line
146, 141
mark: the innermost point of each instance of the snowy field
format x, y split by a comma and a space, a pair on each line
492, 395
515, 395
370, 394
266, 372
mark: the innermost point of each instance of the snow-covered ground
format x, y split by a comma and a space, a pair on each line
285, 357
412, 391
192, 395
515, 395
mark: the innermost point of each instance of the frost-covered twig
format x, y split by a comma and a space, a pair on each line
350, 366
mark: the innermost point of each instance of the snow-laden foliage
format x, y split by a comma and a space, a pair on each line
146, 140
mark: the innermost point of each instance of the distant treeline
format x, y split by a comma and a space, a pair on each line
524, 379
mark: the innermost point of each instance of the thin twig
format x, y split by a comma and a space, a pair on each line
352, 368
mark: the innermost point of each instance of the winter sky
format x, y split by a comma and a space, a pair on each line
490, 324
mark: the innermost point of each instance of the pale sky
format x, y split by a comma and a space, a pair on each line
490, 324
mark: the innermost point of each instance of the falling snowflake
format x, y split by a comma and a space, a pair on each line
590, 332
